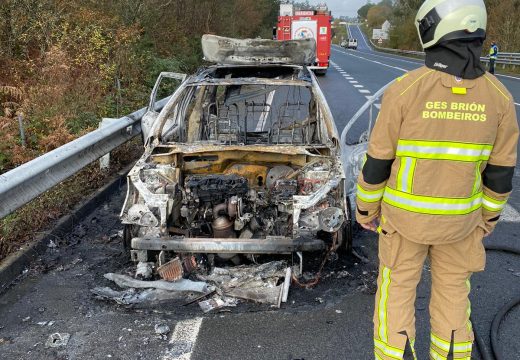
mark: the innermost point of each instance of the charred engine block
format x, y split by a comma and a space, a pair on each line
225, 206
232, 205
214, 189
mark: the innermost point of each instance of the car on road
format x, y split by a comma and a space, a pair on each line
244, 158
352, 44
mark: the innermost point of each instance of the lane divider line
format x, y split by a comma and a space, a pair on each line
183, 339
353, 82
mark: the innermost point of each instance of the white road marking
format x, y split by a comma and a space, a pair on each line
510, 214
183, 339
358, 86
377, 106
374, 61
353, 81
508, 76
363, 91
369, 97
395, 57
517, 104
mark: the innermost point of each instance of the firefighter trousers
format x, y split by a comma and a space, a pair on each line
492, 66
401, 265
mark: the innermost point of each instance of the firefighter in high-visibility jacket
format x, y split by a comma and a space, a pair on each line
437, 175
493, 54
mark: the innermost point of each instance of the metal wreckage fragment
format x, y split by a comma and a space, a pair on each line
224, 286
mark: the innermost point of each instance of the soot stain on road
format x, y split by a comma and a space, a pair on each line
54, 296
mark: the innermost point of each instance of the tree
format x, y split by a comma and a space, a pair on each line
363, 11
377, 15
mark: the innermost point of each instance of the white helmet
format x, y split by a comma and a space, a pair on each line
442, 20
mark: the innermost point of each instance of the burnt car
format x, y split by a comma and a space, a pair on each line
244, 158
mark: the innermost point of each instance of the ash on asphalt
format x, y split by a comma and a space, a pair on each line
54, 296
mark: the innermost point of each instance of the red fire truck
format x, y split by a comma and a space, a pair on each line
301, 24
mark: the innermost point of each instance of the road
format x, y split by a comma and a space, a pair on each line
331, 321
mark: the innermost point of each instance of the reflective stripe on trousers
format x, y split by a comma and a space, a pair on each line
440, 348
382, 350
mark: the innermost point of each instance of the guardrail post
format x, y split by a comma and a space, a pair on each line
22, 131
104, 161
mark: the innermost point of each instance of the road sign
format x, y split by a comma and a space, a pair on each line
378, 33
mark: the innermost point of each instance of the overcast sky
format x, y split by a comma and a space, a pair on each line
342, 7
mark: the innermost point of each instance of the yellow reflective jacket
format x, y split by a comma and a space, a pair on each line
441, 156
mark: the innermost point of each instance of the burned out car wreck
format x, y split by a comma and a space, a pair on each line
243, 159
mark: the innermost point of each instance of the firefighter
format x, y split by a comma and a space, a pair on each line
493, 54
437, 175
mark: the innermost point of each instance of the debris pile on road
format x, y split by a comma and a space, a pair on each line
266, 283
57, 340
258, 283
162, 330
153, 291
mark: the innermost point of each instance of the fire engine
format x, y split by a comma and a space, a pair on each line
301, 24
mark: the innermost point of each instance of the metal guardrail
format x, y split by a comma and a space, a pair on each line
27, 181
503, 57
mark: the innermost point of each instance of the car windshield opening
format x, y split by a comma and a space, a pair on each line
258, 114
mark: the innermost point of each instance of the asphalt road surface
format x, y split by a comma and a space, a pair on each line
331, 321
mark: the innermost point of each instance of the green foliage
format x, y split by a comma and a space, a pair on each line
83, 120
363, 11
339, 32
377, 15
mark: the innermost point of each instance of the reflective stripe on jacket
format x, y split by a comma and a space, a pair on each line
441, 156
493, 52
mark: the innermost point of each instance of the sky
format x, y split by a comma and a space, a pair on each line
342, 7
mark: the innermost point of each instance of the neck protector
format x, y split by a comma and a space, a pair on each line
459, 58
